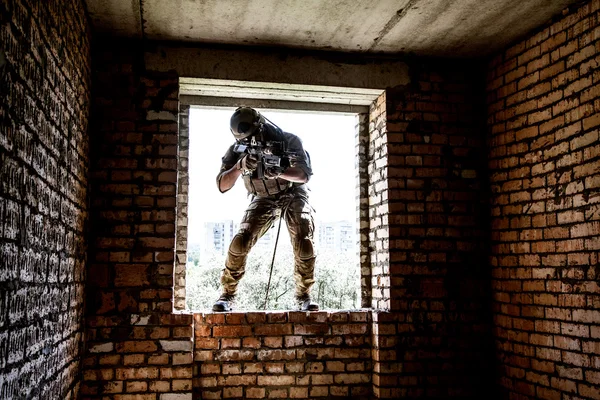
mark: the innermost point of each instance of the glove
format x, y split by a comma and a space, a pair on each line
293, 160
272, 173
247, 163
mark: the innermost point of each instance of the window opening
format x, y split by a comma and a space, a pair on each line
213, 217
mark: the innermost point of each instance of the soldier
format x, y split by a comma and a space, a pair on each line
275, 169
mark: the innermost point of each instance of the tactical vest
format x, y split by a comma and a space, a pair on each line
265, 187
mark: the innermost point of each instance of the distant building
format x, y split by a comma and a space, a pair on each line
338, 236
217, 236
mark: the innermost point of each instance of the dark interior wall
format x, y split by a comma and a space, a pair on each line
136, 346
427, 194
437, 275
44, 104
543, 116
429, 235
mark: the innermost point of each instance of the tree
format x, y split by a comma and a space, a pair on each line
337, 281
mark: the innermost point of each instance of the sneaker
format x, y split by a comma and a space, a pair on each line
224, 303
304, 304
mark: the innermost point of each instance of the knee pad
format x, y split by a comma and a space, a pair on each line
305, 249
239, 245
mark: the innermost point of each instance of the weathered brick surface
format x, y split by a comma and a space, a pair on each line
543, 106
428, 224
44, 107
136, 346
183, 182
420, 189
378, 208
363, 134
282, 355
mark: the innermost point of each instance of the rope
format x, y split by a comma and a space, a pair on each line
272, 262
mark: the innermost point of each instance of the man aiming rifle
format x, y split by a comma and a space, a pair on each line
275, 169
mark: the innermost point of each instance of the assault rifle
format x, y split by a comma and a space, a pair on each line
272, 155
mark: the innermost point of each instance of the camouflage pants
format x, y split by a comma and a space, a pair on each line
258, 218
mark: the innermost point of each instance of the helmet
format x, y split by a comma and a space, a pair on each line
244, 122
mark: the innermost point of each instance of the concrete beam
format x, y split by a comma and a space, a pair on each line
280, 105
277, 91
265, 65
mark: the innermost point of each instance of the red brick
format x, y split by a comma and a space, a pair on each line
321, 379
538, 63
528, 80
578, 86
581, 55
576, 359
176, 372
278, 393
251, 342
273, 342
253, 368
591, 122
235, 318
274, 368
237, 380
567, 343
319, 391
255, 393
230, 343
586, 316
591, 392
234, 331
299, 392
552, 70
529, 55
273, 330
575, 329
548, 394
232, 392
136, 373
275, 380
514, 74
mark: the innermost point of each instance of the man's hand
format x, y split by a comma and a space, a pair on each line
272, 173
247, 163
293, 158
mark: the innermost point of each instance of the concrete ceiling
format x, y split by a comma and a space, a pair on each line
456, 28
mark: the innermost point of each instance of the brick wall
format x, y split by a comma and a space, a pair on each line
283, 355
429, 191
543, 114
44, 105
362, 196
378, 212
137, 347
425, 251
183, 181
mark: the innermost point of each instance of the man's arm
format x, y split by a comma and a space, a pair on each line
227, 178
294, 174
229, 172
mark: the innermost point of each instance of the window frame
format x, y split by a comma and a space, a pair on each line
362, 136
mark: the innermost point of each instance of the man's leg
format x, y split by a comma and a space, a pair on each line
258, 218
301, 226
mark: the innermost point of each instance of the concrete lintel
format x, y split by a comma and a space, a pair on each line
277, 91
203, 101
264, 65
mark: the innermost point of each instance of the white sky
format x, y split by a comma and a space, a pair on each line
329, 138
